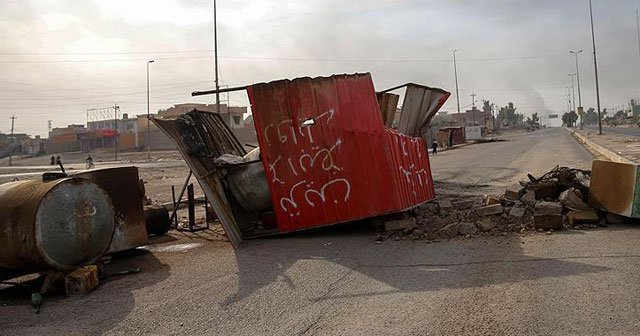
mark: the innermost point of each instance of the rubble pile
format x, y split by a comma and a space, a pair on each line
555, 201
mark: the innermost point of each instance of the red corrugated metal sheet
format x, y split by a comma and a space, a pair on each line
346, 165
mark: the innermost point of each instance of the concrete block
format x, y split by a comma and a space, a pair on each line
517, 212
400, 224
491, 200
572, 199
544, 189
489, 210
513, 192
582, 217
548, 208
547, 222
81, 281
614, 188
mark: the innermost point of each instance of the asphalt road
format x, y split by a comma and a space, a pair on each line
490, 167
629, 131
337, 281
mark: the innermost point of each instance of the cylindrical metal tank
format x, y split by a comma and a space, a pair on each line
248, 183
60, 225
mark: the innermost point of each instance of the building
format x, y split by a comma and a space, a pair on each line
65, 139
473, 117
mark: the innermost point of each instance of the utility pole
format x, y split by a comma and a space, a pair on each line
148, 114
473, 106
13, 119
455, 72
595, 68
215, 50
569, 106
573, 90
116, 108
638, 29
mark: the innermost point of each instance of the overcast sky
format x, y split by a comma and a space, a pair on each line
60, 58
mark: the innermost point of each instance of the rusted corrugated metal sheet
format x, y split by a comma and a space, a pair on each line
420, 105
201, 137
388, 103
328, 156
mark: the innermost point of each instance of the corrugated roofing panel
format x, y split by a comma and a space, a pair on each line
328, 156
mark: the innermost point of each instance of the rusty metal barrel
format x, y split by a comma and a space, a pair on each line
59, 225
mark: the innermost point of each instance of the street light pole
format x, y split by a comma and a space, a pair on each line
455, 72
215, 56
575, 53
595, 67
148, 114
573, 90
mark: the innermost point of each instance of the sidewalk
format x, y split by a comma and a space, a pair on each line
613, 147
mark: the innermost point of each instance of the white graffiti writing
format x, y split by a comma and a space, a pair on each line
327, 160
321, 192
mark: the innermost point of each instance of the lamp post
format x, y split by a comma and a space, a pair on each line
148, 114
595, 68
573, 90
575, 53
455, 72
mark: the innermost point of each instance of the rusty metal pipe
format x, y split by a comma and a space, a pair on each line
59, 225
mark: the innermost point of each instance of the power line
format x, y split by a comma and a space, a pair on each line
292, 59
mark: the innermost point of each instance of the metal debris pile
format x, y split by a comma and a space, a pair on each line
555, 201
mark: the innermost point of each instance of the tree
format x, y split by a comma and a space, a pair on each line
590, 117
508, 116
569, 118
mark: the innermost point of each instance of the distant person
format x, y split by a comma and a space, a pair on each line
58, 160
53, 160
89, 162
434, 147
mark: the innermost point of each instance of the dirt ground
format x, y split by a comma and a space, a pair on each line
163, 170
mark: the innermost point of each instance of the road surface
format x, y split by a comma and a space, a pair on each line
337, 281
490, 167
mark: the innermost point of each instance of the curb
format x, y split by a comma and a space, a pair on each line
598, 149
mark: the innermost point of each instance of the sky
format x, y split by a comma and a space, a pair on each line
60, 58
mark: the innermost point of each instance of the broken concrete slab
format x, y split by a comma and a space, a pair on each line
572, 199
547, 222
489, 210
529, 198
467, 229
547, 216
462, 204
486, 224
513, 192
548, 208
400, 224
582, 217
491, 200
517, 212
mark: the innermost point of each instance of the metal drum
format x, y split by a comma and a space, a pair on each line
60, 225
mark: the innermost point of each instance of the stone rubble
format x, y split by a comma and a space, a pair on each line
553, 202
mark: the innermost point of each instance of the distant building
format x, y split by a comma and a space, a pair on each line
473, 117
65, 139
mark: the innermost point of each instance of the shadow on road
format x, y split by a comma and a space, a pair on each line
402, 266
